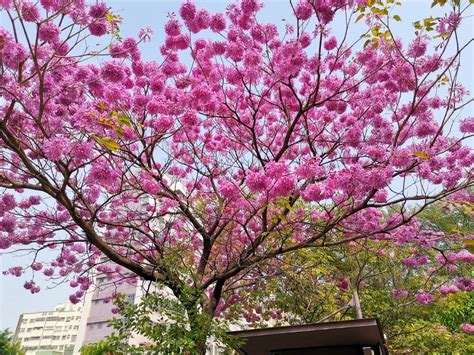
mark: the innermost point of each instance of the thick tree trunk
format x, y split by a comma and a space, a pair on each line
356, 303
200, 325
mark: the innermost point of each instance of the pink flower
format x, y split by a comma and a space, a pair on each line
284, 186
305, 40
98, 10
399, 293
312, 193
149, 184
163, 124
465, 256
31, 285
202, 19
303, 10
330, 44
37, 266
173, 28
153, 107
34, 200
187, 11
48, 272
51, 4
308, 169
55, 148
417, 48
157, 83
249, 6
98, 28
217, 23
343, 284
145, 34
424, 298
6, 4
467, 125
467, 328
465, 284
445, 289
8, 223
257, 182
49, 32
29, 12
228, 189
101, 173
381, 196
83, 151
276, 170
13, 54
15, 271
117, 51
7, 202
113, 72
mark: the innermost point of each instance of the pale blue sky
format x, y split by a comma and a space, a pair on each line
14, 299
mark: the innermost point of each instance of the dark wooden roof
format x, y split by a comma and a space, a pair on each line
358, 333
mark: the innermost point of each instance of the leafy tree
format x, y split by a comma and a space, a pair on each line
201, 174
163, 324
8, 346
390, 286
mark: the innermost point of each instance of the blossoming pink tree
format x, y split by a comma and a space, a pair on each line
200, 176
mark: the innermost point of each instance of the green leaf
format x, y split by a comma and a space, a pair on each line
359, 17
397, 18
102, 106
108, 143
422, 155
123, 119
469, 244
119, 130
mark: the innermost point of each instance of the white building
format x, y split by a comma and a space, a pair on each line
97, 311
49, 331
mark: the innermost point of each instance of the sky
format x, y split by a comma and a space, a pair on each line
137, 14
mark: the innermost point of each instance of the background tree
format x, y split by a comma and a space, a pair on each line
394, 284
7, 345
200, 176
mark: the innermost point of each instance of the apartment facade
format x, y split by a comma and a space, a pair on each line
49, 331
97, 310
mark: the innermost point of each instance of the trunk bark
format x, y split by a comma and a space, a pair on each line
200, 324
356, 302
